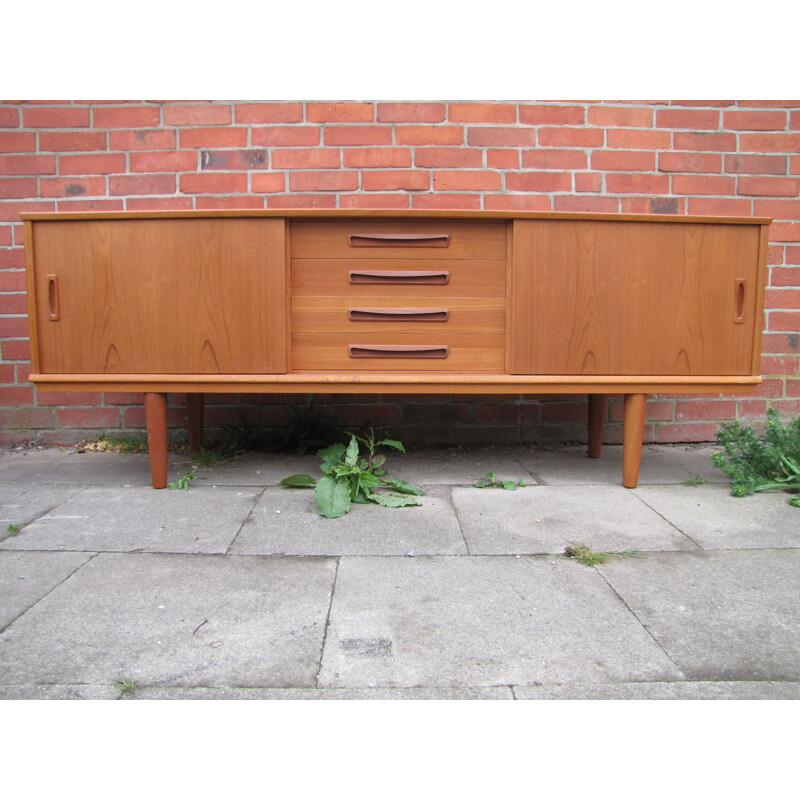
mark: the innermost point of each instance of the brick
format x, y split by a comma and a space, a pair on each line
769, 142
689, 162
588, 182
142, 140
340, 112
13, 304
18, 187
501, 137
792, 256
783, 321
447, 157
429, 134
705, 409
323, 181
706, 142
56, 117
94, 204
538, 181
554, 159
68, 398
301, 201
377, 157
653, 205
12, 259
72, 187
620, 183
202, 114
794, 120
654, 410
158, 203
703, 184
768, 186
13, 327
752, 409
785, 231
482, 112
212, 137
632, 139
390, 180
790, 407
719, 206
267, 113
446, 201
670, 432
517, 202
358, 135
9, 118
623, 160
27, 165
503, 159
286, 136
779, 365
6, 231
605, 205
754, 120
249, 201
478, 180
411, 112
25, 418
7, 373
124, 398
268, 182
154, 183
794, 165
17, 142
777, 209
74, 141
568, 411
709, 103
92, 164
127, 117
163, 161
16, 350
770, 103
234, 159
95, 417
571, 137
307, 158
620, 117
374, 200
213, 183
757, 165
551, 115
685, 118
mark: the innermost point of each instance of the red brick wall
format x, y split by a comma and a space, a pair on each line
737, 158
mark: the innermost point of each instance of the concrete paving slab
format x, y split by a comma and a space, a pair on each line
175, 620
27, 577
286, 522
570, 465
457, 467
258, 469
677, 690
17, 466
21, 504
481, 621
716, 520
545, 519
92, 692
169, 693
722, 616
696, 459
200, 520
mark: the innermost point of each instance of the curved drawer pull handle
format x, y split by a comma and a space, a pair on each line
398, 314
407, 276
52, 297
397, 351
399, 239
738, 301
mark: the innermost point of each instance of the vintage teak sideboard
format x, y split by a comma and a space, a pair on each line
383, 302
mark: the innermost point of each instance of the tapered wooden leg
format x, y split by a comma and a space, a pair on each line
597, 413
155, 415
195, 403
633, 434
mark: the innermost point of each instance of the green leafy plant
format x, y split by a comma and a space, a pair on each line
14, 528
348, 478
697, 480
247, 436
309, 428
585, 554
116, 443
761, 461
494, 483
212, 456
183, 482
125, 686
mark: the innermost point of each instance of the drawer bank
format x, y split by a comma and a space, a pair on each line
395, 302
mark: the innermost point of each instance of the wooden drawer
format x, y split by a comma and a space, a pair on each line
344, 277
380, 352
439, 240
398, 314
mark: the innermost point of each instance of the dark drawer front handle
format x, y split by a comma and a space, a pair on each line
397, 351
738, 301
404, 277
52, 297
399, 239
398, 314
